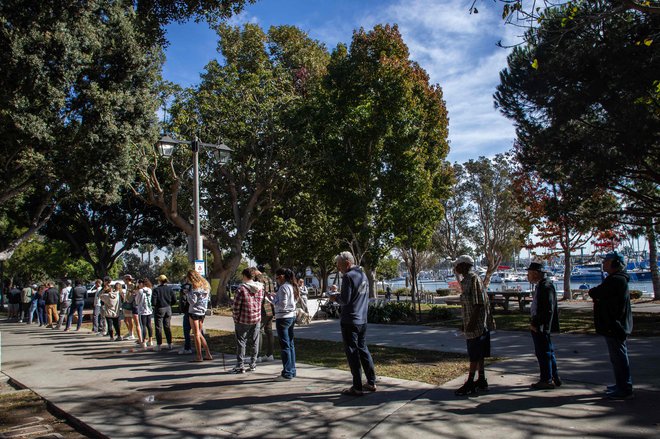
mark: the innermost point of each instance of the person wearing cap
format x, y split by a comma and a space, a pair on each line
613, 320
544, 319
477, 323
162, 300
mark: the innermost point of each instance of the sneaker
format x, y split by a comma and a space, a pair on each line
169, 347
150, 343
481, 384
617, 395
156, 348
542, 385
558, 382
131, 337
466, 389
143, 345
185, 351
118, 338
238, 370
111, 339
611, 388
252, 367
369, 387
282, 378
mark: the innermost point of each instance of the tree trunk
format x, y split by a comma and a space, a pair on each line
221, 273
567, 273
653, 259
370, 276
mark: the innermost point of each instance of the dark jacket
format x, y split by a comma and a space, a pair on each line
52, 296
612, 310
78, 294
183, 299
546, 318
163, 296
354, 297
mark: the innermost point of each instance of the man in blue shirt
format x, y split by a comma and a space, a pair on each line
354, 301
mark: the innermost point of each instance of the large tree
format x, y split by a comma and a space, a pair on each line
497, 219
249, 102
449, 238
586, 104
76, 93
101, 232
382, 133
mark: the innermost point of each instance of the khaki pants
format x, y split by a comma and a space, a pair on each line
51, 314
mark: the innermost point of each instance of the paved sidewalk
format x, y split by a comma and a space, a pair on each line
123, 392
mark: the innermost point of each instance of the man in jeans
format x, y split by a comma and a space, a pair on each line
65, 303
354, 301
183, 308
613, 320
247, 318
162, 300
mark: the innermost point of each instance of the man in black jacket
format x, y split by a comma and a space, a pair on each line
613, 320
544, 319
162, 299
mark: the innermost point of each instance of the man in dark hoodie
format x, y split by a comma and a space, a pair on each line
544, 319
613, 320
354, 301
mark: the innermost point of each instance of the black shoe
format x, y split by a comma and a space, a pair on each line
466, 389
558, 382
481, 384
542, 385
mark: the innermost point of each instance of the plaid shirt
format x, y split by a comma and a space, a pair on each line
247, 305
473, 294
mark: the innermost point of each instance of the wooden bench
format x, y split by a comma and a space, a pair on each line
504, 297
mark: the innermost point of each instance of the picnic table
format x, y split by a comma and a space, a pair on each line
504, 297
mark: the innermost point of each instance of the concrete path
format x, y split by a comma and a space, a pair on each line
122, 392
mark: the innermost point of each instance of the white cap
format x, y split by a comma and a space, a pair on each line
463, 259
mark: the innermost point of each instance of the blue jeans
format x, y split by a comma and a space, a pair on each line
32, 311
73, 308
357, 354
284, 329
620, 363
545, 354
186, 332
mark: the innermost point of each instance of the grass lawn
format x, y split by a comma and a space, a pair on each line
419, 365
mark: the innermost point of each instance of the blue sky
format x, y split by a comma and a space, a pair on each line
457, 49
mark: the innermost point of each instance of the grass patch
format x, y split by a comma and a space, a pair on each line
409, 364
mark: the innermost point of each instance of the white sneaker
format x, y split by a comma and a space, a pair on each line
131, 337
143, 346
185, 352
150, 343
169, 347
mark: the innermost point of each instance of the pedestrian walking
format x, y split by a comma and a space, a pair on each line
162, 300
284, 301
544, 320
246, 311
198, 301
477, 323
613, 320
354, 301
145, 311
111, 299
77, 304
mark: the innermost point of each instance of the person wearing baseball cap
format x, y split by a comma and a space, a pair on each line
544, 319
477, 323
613, 320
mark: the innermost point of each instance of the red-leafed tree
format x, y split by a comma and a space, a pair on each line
561, 221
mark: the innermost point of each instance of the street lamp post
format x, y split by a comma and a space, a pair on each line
166, 146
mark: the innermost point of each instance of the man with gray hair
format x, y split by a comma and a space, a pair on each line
354, 301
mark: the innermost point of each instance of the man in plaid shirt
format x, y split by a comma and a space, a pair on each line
477, 323
247, 319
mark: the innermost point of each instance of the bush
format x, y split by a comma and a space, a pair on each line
635, 294
443, 291
401, 292
441, 312
391, 312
